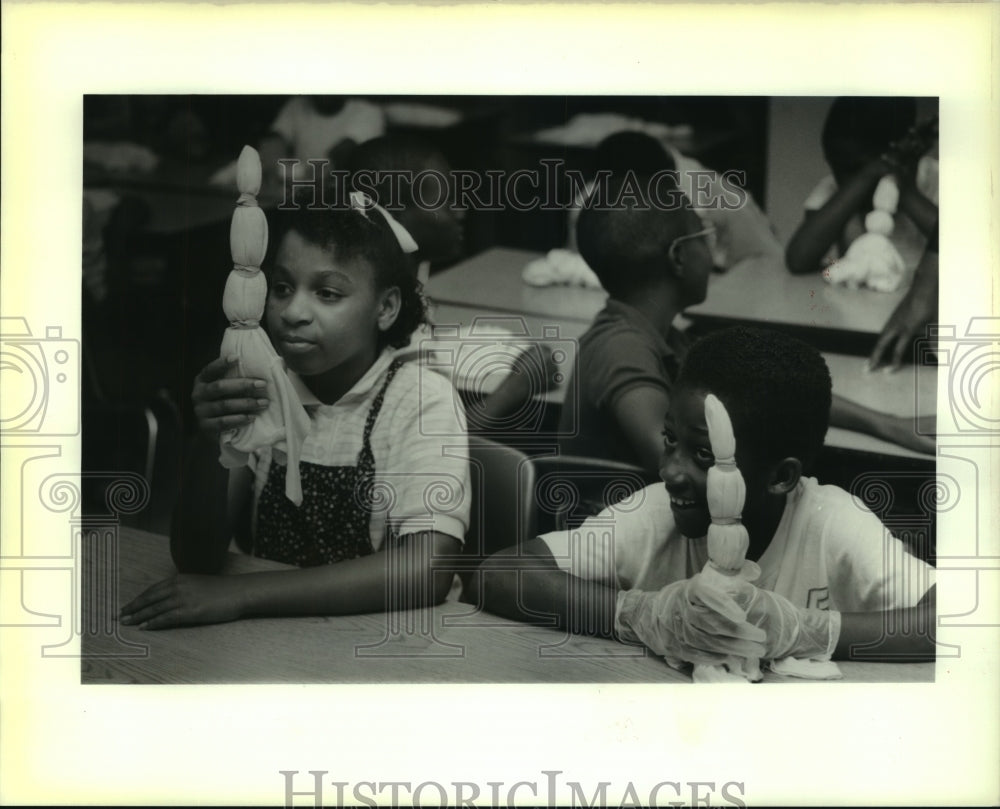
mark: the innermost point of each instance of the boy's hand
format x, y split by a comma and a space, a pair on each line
222, 403
687, 623
184, 600
792, 632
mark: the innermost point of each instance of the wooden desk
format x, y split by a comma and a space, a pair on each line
453, 644
492, 280
762, 292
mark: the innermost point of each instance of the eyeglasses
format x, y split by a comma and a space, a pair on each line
672, 250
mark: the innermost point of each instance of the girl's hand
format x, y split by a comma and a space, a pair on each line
222, 403
184, 600
915, 312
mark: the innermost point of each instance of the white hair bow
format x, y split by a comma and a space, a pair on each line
361, 202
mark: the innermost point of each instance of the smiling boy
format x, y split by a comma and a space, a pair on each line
831, 571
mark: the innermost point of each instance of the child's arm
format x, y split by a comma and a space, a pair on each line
897, 430
822, 228
914, 313
911, 638
639, 413
524, 583
533, 372
900, 635
918, 208
406, 571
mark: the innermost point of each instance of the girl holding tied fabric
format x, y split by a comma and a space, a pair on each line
342, 301
869, 143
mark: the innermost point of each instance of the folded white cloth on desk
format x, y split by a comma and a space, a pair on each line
560, 267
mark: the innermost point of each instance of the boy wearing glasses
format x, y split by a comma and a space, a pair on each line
651, 254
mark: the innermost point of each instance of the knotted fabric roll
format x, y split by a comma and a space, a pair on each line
728, 541
872, 260
285, 423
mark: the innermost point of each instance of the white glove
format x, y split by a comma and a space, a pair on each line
685, 623
792, 632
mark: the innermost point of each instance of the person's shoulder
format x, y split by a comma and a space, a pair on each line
420, 392
832, 504
648, 506
611, 325
413, 375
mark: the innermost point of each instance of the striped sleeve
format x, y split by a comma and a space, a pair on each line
426, 479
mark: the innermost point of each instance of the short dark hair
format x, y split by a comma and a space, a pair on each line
635, 151
351, 235
872, 122
624, 235
776, 388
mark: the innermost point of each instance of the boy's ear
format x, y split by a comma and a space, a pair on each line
676, 264
389, 304
785, 476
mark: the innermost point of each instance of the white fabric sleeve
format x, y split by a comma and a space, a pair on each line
868, 569
821, 194
611, 547
427, 477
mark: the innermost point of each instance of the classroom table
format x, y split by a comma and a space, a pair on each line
492, 279
758, 291
447, 643
909, 392
762, 292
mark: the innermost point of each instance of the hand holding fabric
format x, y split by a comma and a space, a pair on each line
790, 631
687, 622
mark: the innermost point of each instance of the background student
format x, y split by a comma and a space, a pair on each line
864, 139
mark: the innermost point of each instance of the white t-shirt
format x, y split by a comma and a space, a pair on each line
906, 236
311, 135
419, 443
829, 551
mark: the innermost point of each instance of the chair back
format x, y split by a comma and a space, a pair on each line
570, 488
502, 509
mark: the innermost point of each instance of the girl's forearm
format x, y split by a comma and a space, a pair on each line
406, 575
921, 210
823, 227
895, 636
